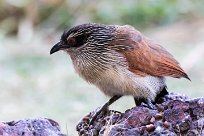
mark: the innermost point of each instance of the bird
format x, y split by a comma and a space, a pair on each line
120, 61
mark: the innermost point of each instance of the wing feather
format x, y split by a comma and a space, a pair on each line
145, 57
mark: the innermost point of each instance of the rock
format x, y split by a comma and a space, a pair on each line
174, 115
30, 127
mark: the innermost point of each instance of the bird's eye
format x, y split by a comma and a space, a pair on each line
71, 41
80, 39
76, 41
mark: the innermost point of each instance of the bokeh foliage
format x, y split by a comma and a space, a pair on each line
61, 14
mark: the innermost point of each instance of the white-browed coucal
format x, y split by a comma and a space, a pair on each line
120, 61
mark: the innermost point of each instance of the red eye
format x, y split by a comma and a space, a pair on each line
71, 41
76, 41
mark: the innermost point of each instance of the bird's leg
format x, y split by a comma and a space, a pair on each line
161, 94
104, 108
138, 101
148, 102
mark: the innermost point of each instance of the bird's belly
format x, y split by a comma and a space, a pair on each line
123, 82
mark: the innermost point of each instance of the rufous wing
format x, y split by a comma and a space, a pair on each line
145, 57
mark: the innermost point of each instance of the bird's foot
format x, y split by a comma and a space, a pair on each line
99, 111
144, 102
103, 109
148, 103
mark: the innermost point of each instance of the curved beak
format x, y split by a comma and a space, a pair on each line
59, 46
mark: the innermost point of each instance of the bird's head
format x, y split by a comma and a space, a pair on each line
85, 35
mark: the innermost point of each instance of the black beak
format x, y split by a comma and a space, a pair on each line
59, 46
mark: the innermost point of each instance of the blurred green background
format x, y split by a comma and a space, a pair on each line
35, 84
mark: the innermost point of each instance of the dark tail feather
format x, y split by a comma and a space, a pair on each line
186, 76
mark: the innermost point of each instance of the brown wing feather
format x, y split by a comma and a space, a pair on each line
145, 57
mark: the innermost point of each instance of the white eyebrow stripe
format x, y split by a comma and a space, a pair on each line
74, 34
